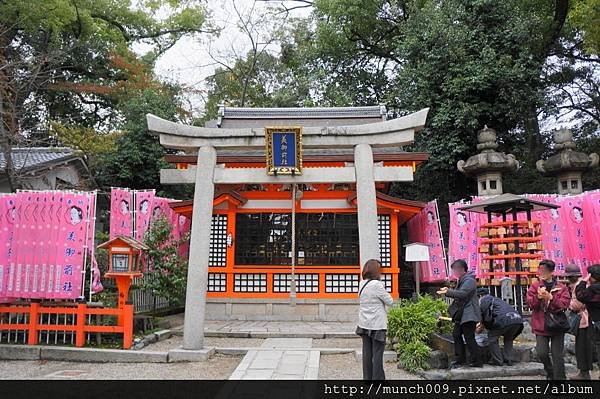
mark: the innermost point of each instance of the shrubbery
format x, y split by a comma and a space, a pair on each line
410, 324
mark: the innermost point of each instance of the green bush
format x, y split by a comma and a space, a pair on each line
166, 271
410, 324
414, 356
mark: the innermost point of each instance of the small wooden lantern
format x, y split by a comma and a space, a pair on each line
124, 263
124, 255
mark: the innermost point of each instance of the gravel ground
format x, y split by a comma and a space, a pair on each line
217, 342
345, 367
217, 367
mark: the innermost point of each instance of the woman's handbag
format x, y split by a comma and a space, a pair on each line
556, 322
574, 320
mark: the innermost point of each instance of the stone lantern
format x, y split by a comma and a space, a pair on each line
489, 165
567, 164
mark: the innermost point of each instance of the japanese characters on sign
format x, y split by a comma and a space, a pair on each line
284, 150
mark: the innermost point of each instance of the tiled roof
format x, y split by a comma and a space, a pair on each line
33, 157
238, 117
375, 111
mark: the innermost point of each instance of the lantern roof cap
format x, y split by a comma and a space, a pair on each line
127, 240
506, 203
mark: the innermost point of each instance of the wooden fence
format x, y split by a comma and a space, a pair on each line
143, 301
34, 323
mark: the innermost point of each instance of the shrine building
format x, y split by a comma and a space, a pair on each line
344, 215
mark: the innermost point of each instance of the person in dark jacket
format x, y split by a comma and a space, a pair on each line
465, 314
548, 295
588, 292
584, 336
501, 320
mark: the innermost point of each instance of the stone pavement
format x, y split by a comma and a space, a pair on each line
280, 359
270, 329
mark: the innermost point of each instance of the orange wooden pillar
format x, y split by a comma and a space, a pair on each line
395, 256
32, 338
127, 315
80, 326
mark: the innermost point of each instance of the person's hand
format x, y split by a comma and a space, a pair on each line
545, 295
587, 278
541, 292
442, 291
479, 328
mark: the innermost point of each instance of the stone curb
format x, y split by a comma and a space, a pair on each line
152, 338
185, 355
274, 334
531, 369
19, 352
244, 350
97, 355
101, 355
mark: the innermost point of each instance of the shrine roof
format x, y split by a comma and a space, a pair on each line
229, 117
38, 157
232, 194
384, 198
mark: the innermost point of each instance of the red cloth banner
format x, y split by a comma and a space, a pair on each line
425, 228
45, 243
7, 221
121, 213
144, 212
591, 216
570, 234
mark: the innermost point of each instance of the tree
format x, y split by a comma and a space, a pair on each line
137, 157
166, 269
256, 76
585, 16
62, 44
512, 65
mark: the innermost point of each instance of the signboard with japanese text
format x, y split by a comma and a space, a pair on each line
284, 150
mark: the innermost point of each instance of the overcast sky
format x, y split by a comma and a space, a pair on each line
189, 62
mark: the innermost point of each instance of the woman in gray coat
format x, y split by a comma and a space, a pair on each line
465, 314
372, 319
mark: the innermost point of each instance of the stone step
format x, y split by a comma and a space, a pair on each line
487, 371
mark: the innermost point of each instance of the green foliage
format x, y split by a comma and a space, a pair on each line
414, 356
411, 323
57, 57
166, 269
585, 16
138, 156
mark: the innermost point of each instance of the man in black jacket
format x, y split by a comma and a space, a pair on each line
465, 314
588, 292
501, 320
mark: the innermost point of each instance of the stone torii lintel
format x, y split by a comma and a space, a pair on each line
393, 132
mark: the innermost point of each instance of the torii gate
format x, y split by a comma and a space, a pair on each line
205, 141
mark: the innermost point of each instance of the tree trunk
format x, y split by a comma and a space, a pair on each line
5, 142
533, 137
